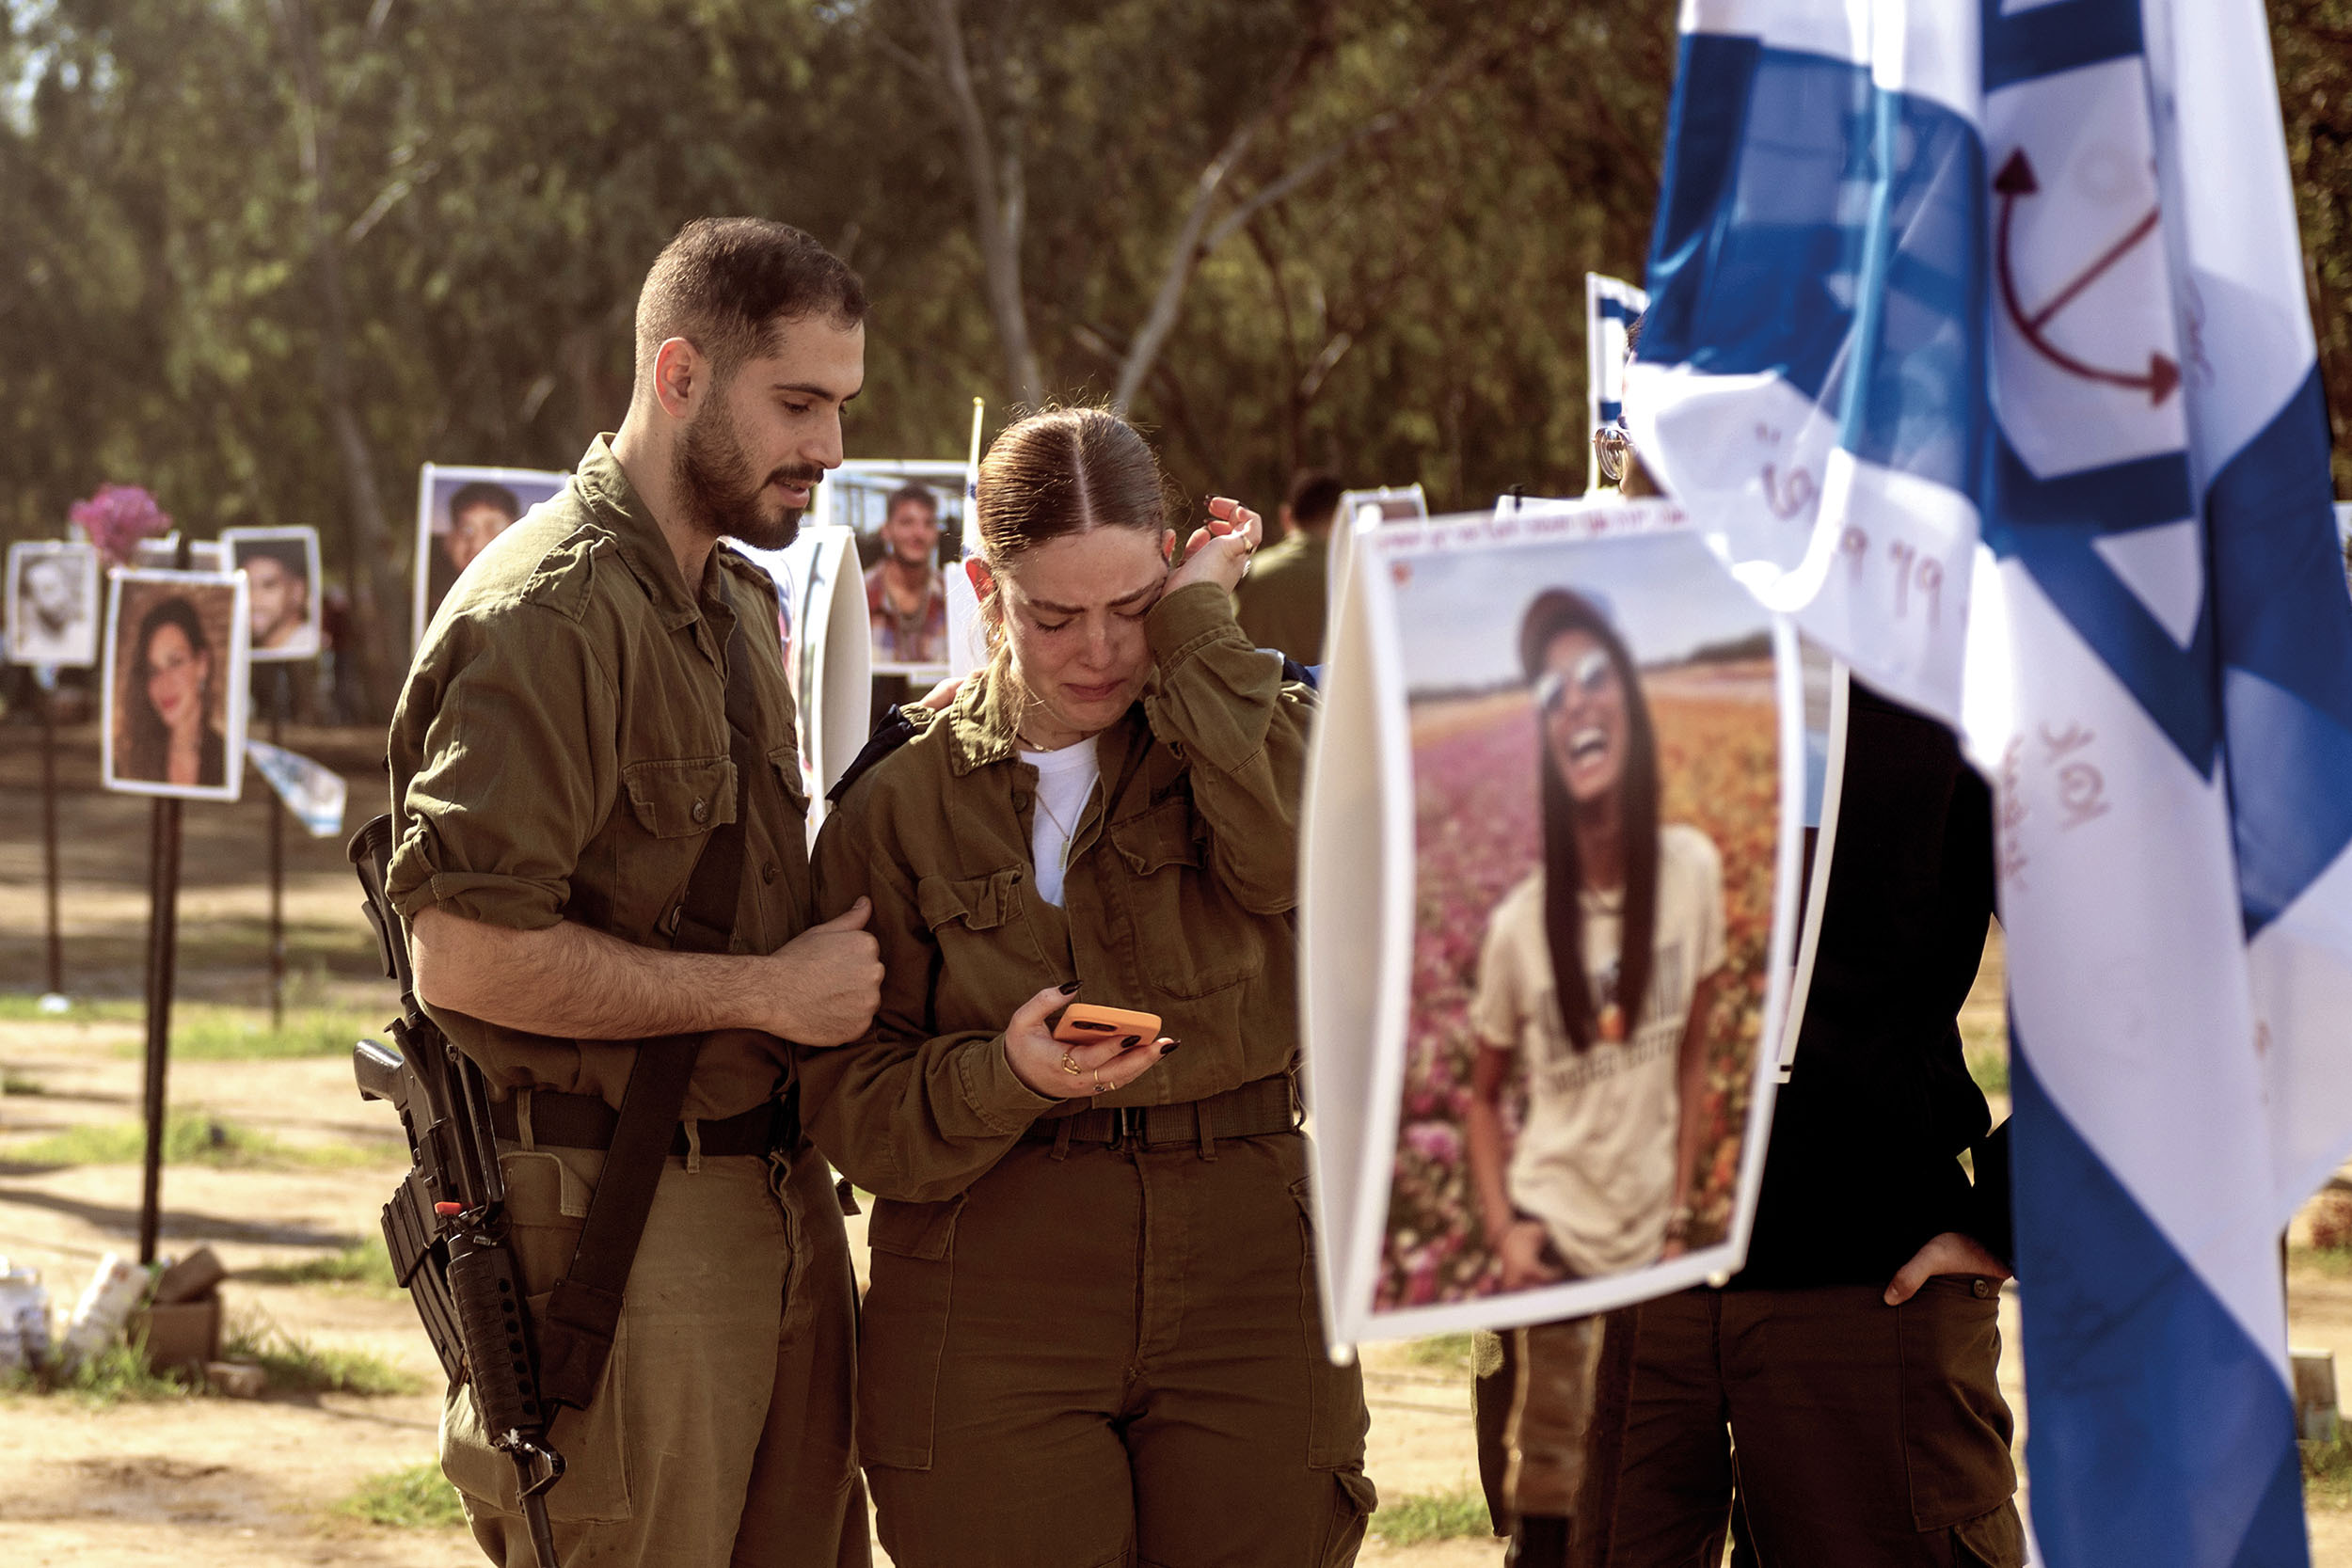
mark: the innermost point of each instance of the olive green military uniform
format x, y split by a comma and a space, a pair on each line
561, 752
1283, 603
1098, 1349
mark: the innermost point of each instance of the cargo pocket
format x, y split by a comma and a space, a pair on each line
1201, 941
1354, 1501
1337, 1420
547, 1201
974, 918
1956, 1425
678, 799
902, 1330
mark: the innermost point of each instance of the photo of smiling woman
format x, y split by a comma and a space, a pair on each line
176, 656
1092, 1334
1594, 981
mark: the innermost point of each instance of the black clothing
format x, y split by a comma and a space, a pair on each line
1863, 1168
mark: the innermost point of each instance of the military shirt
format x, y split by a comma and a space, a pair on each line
1283, 603
561, 752
1177, 900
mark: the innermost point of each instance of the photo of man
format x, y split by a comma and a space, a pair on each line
906, 600
460, 511
281, 565
53, 604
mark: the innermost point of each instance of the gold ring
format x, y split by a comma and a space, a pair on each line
1069, 1065
1100, 1086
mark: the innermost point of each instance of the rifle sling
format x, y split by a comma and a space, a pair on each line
584, 1311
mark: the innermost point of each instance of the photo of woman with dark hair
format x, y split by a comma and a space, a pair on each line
1594, 981
175, 658
166, 720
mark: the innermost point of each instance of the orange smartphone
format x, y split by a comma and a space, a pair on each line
1084, 1024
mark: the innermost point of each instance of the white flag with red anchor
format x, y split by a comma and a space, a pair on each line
1978, 342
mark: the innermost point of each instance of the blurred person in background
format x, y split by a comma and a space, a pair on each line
1282, 604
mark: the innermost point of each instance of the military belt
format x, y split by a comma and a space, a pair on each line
585, 1121
1253, 1110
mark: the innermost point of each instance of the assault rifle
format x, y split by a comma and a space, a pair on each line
446, 1226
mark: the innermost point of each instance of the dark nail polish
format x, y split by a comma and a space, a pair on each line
1128, 1043
1169, 1048
1070, 989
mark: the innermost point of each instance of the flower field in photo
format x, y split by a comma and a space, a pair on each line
1477, 834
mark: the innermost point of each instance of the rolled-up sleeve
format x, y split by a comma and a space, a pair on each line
511, 773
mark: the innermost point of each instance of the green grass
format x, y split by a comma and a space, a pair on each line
1449, 1353
1989, 1065
206, 1033
119, 1373
2328, 1472
417, 1497
363, 1262
295, 1365
1421, 1516
190, 1138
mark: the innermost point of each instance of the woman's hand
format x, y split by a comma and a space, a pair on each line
1219, 551
1522, 1254
1061, 1072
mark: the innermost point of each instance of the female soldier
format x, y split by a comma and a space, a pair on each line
1595, 984
1092, 1334
167, 731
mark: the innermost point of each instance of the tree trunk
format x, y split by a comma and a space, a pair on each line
999, 197
376, 639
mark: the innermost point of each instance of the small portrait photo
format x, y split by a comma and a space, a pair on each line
52, 603
908, 520
460, 511
281, 577
174, 706
1597, 775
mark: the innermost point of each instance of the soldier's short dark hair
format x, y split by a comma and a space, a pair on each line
482, 492
291, 554
729, 285
922, 495
1315, 496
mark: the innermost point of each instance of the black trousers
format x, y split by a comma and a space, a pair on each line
1852, 1434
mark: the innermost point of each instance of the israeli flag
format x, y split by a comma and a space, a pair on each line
1611, 306
1977, 339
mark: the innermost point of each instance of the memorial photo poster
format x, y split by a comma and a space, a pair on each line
907, 516
1557, 740
460, 511
281, 573
173, 709
1359, 510
53, 604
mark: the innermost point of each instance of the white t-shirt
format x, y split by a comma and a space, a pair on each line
1596, 1158
1064, 780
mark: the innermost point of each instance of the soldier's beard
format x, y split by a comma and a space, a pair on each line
718, 491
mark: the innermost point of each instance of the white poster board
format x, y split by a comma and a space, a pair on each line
281, 570
827, 656
857, 496
1361, 510
173, 708
1444, 773
52, 603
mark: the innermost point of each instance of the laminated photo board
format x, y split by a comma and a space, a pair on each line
1360, 510
460, 511
856, 495
1447, 791
52, 603
173, 697
1611, 304
281, 570
828, 655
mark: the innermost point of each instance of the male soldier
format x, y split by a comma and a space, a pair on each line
561, 755
1280, 604
906, 601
